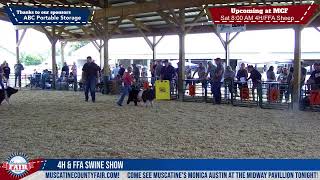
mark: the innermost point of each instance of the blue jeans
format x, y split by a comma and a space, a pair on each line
106, 89
1, 83
125, 91
90, 85
17, 77
216, 90
75, 83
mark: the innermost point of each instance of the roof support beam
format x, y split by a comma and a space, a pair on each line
138, 24
155, 6
21, 37
174, 16
181, 64
116, 26
313, 18
197, 18
61, 29
297, 67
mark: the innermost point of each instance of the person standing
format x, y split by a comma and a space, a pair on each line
315, 77
242, 76
136, 72
91, 73
127, 81
229, 78
188, 74
255, 76
115, 71
271, 77
167, 71
18, 68
121, 71
201, 70
65, 68
106, 78
74, 70
284, 87
211, 69
290, 82
158, 69
6, 72
216, 81
1, 77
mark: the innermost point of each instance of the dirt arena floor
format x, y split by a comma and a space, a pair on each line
56, 124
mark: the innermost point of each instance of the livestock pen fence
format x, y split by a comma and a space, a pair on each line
269, 95
11, 81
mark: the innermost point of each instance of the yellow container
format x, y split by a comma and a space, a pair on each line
162, 90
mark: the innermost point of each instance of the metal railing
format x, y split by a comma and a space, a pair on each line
310, 97
276, 95
195, 90
11, 82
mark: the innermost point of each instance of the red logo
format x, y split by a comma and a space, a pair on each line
267, 14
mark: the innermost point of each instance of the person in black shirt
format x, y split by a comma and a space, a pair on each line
91, 74
65, 68
121, 71
167, 71
242, 76
255, 76
6, 71
136, 72
315, 77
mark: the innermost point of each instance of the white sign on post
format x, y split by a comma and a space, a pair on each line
229, 28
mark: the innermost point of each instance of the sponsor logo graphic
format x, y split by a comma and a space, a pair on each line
276, 13
17, 165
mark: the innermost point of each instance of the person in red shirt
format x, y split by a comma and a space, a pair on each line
127, 81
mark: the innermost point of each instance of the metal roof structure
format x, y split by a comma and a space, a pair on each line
134, 18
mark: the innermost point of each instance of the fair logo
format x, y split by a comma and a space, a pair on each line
17, 164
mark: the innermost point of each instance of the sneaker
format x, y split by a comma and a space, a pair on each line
119, 104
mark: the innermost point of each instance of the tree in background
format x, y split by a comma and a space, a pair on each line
31, 60
77, 45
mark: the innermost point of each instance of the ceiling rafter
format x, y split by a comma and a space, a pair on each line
138, 24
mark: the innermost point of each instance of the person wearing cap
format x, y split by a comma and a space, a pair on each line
315, 76
167, 71
216, 81
91, 75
